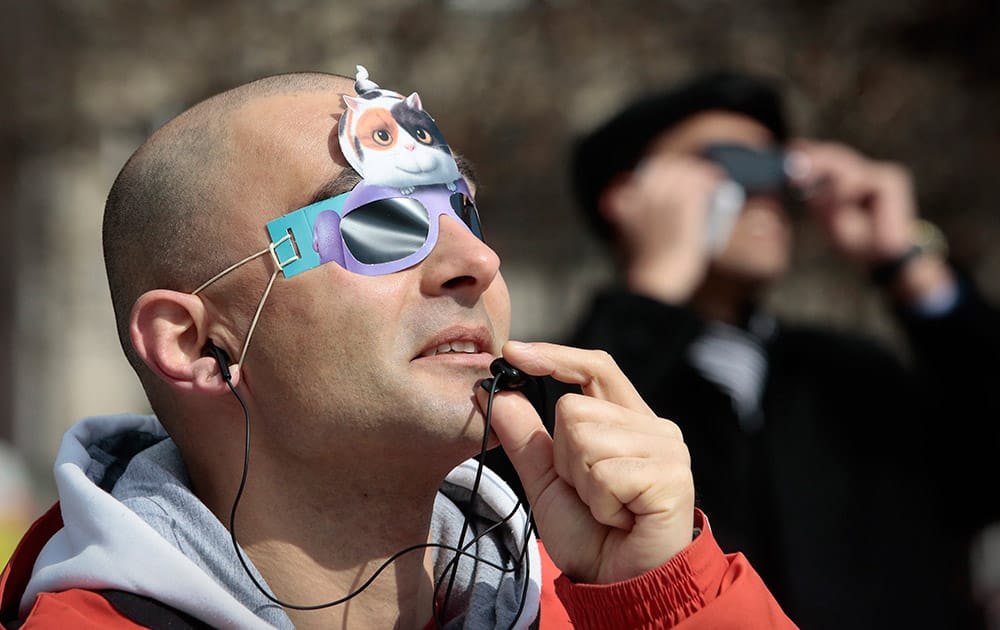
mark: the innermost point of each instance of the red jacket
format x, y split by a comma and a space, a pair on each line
699, 588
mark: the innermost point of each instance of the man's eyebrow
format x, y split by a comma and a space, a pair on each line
348, 178
344, 181
467, 169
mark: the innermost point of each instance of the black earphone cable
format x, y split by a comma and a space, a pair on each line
458, 550
502, 569
452, 565
473, 496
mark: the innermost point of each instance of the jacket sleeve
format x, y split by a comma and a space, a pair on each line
955, 377
965, 337
698, 588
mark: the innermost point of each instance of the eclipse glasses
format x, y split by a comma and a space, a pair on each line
758, 171
371, 230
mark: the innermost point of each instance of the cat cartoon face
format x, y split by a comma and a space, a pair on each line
392, 141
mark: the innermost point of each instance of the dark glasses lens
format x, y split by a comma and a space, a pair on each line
466, 210
757, 170
385, 230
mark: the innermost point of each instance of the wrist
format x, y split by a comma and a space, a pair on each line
672, 281
886, 272
926, 241
923, 282
920, 270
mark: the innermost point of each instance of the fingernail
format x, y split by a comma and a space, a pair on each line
519, 345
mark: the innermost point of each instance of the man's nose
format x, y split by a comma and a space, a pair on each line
459, 262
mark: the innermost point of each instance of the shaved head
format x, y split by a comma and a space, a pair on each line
167, 216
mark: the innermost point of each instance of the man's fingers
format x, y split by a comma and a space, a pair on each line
605, 493
524, 438
601, 449
613, 485
593, 370
621, 490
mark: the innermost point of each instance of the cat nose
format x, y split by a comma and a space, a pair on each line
409, 146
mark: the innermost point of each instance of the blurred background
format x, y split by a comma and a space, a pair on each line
511, 83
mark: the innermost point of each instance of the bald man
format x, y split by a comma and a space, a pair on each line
320, 476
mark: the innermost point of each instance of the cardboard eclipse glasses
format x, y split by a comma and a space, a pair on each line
371, 230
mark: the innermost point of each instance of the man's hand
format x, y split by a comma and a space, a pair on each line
869, 212
661, 212
612, 492
866, 207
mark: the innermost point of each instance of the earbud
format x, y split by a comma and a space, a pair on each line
509, 377
223, 359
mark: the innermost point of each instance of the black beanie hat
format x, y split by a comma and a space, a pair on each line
618, 145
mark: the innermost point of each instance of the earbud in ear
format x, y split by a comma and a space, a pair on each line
223, 359
506, 375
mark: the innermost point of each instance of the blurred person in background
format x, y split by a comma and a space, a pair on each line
851, 480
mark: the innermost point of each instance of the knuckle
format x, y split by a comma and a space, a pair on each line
602, 476
600, 356
683, 455
568, 405
672, 430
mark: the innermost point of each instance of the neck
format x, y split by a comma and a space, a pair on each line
724, 299
317, 537
316, 555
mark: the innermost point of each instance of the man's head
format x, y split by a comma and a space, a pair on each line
330, 344
721, 108
170, 215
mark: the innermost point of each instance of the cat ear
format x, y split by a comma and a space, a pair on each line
353, 104
413, 100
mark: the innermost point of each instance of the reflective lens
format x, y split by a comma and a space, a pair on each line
466, 210
385, 230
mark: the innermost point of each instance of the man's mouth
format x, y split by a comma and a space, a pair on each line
453, 347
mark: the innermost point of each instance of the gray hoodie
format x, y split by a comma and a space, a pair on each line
132, 523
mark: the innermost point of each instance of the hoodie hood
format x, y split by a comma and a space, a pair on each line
131, 523
485, 597
105, 545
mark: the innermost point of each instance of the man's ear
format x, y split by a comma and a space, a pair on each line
169, 331
616, 198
